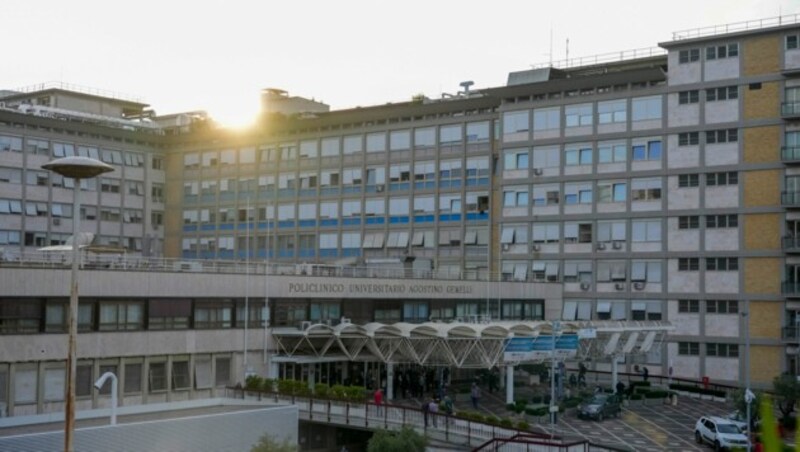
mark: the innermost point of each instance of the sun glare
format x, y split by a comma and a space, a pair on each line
234, 117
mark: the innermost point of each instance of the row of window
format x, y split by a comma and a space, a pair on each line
712, 306
612, 310
396, 140
43, 147
107, 185
518, 124
60, 210
712, 349
715, 52
712, 95
136, 375
608, 191
42, 238
691, 264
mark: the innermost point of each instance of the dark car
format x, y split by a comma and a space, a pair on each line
600, 406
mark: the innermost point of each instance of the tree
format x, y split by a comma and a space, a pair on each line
787, 391
268, 444
404, 440
741, 405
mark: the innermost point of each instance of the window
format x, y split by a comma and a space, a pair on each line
688, 97
515, 159
180, 375
399, 140
688, 56
688, 306
546, 119
425, 137
688, 348
688, 180
646, 230
612, 111
450, 135
727, 178
13, 144
611, 271
514, 234
578, 115
157, 376
516, 125
688, 264
612, 192
688, 222
646, 108
376, 142
792, 42
353, 144
722, 51
223, 368
581, 155
215, 314
169, 314
546, 195
415, 311
722, 306
133, 378
645, 189
515, 197
646, 151
722, 350
330, 147
645, 310
723, 93
578, 193
121, 316
722, 136
609, 152
109, 185
722, 221
577, 232
688, 138
84, 380
546, 233
722, 264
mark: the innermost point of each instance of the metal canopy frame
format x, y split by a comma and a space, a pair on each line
458, 344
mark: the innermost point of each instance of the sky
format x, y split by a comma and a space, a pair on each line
217, 55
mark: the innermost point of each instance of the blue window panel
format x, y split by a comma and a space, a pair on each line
398, 220
329, 191
654, 150
243, 226
189, 198
328, 253
397, 186
349, 252
263, 225
445, 184
208, 227
455, 184
351, 221
189, 254
306, 253
243, 254
190, 228
328, 222
620, 192
571, 199
308, 223
286, 224
450, 217
639, 152
308, 192
225, 254
286, 253
263, 254
483, 181
419, 185
209, 198
376, 220
226, 227
423, 218
477, 216
351, 190
287, 193
207, 255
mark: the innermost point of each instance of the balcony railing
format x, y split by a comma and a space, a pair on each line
790, 289
790, 334
790, 109
790, 198
790, 154
791, 244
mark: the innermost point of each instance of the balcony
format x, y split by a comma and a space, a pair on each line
790, 199
790, 110
791, 289
791, 244
790, 334
790, 154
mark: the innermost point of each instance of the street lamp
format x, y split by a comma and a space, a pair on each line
748, 395
76, 168
555, 331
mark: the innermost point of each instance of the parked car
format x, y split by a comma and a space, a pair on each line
600, 406
740, 419
721, 433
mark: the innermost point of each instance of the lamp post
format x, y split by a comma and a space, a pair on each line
555, 330
76, 168
748, 395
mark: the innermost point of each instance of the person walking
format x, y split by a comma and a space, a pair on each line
378, 397
433, 408
581, 375
475, 394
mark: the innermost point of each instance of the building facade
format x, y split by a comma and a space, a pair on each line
657, 186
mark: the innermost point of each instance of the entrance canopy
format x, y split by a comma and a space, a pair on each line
463, 344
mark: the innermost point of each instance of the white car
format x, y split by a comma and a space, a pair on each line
719, 432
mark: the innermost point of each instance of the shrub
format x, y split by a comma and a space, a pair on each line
522, 425
338, 392
636, 396
572, 402
541, 411
267, 385
253, 383
321, 390
506, 423
656, 394
511, 407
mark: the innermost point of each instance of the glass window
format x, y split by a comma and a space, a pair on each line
449, 135
399, 140
477, 132
376, 142
612, 111
425, 137
646, 108
547, 118
516, 125
578, 115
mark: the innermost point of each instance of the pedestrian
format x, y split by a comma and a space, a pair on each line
620, 388
475, 394
448, 405
433, 408
581, 375
645, 373
378, 400
425, 408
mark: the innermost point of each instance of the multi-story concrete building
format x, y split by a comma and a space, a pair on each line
654, 185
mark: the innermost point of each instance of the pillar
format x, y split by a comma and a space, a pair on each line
389, 381
510, 384
311, 370
614, 375
502, 378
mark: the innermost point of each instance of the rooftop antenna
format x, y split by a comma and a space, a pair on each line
551, 45
466, 85
568, 52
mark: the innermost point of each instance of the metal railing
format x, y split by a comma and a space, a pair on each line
440, 426
790, 198
527, 443
790, 153
78, 89
791, 289
790, 333
131, 262
611, 57
791, 244
736, 27
790, 109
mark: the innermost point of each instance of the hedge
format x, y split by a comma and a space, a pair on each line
697, 390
